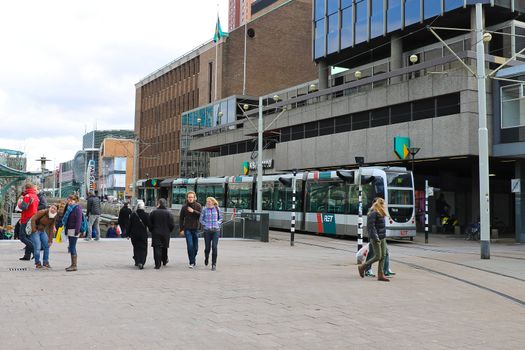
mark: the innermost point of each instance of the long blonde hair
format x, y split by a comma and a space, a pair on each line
378, 206
213, 200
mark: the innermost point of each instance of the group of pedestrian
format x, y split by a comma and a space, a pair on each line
160, 223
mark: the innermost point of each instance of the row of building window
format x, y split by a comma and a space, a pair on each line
406, 112
184, 71
342, 25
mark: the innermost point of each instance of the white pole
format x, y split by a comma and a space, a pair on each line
259, 156
484, 199
360, 212
59, 180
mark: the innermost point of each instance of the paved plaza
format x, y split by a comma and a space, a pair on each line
266, 296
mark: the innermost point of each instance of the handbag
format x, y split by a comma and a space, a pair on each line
58, 237
29, 229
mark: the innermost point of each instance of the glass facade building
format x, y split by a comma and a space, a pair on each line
341, 24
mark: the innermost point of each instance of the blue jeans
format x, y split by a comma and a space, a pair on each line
39, 240
211, 240
24, 238
72, 248
192, 243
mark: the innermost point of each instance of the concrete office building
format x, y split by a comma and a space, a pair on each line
387, 84
278, 50
116, 168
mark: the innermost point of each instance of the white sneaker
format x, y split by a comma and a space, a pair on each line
191, 266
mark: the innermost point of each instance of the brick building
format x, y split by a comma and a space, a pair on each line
278, 55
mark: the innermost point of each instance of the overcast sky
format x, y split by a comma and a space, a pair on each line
68, 65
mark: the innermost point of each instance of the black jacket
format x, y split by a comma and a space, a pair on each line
375, 225
138, 225
123, 217
93, 206
187, 220
161, 226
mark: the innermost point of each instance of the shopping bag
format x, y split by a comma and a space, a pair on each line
58, 237
361, 254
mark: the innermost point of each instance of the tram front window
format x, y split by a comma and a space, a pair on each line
400, 197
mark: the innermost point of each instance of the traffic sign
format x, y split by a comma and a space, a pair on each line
515, 185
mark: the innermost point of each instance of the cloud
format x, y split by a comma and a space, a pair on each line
68, 65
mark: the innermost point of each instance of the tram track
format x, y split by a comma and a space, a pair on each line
421, 267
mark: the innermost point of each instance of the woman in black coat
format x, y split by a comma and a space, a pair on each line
161, 226
138, 232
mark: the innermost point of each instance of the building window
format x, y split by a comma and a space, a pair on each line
377, 19
513, 106
319, 9
424, 109
380, 117
448, 105
431, 8
326, 127
361, 22
311, 130
453, 4
298, 132
412, 12
319, 49
347, 26
394, 15
333, 33
360, 121
400, 113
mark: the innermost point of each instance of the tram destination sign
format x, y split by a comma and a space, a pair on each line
266, 163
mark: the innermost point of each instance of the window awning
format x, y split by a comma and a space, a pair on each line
167, 183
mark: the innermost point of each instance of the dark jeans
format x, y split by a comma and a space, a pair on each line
160, 255
140, 250
192, 243
24, 238
72, 247
211, 240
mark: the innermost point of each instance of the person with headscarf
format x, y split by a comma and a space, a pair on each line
138, 233
161, 226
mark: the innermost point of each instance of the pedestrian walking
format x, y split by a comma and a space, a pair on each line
375, 225
43, 230
138, 233
189, 224
123, 219
72, 221
161, 226
386, 270
211, 221
29, 207
93, 213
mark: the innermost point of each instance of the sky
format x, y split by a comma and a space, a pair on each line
70, 66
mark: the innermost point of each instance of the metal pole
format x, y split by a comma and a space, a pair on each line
292, 226
426, 211
484, 199
245, 39
259, 156
134, 185
59, 180
360, 213
216, 65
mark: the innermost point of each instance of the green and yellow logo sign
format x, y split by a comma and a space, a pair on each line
401, 146
245, 168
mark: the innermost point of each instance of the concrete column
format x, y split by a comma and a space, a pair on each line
396, 56
474, 200
323, 74
519, 202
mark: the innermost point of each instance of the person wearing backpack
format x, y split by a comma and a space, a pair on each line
73, 220
211, 221
29, 206
138, 232
42, 201
93, 213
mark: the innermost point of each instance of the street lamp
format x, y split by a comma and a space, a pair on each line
413, 151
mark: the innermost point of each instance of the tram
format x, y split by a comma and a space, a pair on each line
326, 201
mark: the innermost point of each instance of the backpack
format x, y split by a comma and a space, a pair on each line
42, 201
83, 225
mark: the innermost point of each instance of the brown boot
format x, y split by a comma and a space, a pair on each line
73, 266
381, 276
361, 269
